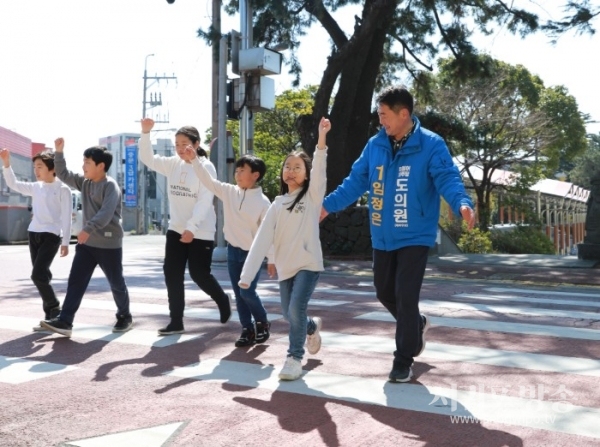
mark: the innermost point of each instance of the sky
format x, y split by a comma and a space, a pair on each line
74, 68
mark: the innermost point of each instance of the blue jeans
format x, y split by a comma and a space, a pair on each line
85, 261
295, 294
247, 300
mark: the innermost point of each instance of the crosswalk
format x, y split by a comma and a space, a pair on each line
555, 321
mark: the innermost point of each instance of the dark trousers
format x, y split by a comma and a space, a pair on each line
43, 248
85, 261
198, 256
398, 276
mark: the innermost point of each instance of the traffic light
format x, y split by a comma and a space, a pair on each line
232, 112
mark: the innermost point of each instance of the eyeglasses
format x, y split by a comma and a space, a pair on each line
295, 169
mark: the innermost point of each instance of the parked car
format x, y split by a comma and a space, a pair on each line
76, 214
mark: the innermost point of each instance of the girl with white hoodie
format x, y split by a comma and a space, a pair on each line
292, 227
192, 224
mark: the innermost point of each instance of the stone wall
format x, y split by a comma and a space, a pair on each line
347, 233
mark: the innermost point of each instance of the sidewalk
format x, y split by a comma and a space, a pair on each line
539, 269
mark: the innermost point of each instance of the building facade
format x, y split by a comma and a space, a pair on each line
15, 209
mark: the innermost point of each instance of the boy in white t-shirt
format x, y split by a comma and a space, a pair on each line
50, 227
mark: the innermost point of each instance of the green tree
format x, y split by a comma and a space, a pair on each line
587, 165
503, 121
275, 133
388, 36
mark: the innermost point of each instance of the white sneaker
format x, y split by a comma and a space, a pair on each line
292, 369
313, 342
39, 328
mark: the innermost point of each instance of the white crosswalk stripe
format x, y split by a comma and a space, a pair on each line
499, 326
103, 333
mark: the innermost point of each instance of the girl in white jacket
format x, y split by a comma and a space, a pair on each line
292, 227
192, 224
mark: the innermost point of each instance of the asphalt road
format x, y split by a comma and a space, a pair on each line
506, 363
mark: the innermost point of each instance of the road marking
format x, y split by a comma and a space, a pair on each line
466, 354
332, 290
204, 313
148, 437
518, 310
498, 326
312, 302
545, 292
14, 370
533, 413
520, 299
103, 333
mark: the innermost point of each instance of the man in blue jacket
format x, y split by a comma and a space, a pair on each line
405, 168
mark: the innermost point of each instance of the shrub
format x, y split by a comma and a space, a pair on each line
453, 227
522, 239
475, 241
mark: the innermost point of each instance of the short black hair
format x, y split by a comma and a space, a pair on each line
256, 165
99, 154
192, 133
47, 157
396, 98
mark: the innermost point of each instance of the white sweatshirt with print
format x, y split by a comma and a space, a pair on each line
243, 209
51, 205
295, 234
190, 203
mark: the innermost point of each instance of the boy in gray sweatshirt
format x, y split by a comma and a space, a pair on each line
100, 242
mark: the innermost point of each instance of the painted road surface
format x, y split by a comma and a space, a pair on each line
505, 364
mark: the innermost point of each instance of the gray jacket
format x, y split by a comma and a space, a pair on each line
101, 206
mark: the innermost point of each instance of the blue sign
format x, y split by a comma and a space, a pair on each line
131, 176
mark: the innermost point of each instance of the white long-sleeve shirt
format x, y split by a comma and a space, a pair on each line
190, 203
295, 234
51, 205
243, 209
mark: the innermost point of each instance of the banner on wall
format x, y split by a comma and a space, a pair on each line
131, 179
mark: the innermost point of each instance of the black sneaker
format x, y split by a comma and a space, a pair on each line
262, 331
225, 308
58, 326
123, 324
52, 313
401, 374
174, 327
425, 325
248, 338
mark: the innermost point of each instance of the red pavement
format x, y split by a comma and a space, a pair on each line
119, 387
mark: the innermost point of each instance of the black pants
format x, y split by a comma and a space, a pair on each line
398, 276
198, 256
85, 261
43, 248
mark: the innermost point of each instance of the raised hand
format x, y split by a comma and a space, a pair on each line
324, 125
147, 124
59, 144
5, 156
189, 153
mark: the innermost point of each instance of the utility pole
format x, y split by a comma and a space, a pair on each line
154, 101
219, 78
246, 127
